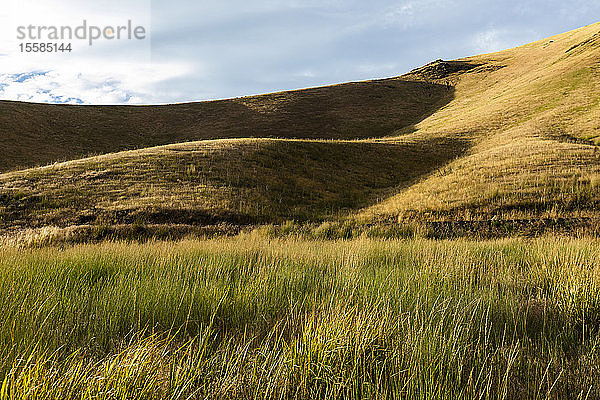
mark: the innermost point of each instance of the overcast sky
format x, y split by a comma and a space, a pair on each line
201, 50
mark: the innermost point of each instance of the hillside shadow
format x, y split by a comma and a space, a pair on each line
245, 182
265, 181
40, 134
348, 111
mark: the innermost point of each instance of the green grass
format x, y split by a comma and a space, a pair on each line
249, 317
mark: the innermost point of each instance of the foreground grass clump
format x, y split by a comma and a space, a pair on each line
249, 317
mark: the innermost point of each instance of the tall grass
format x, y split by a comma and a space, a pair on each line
250, 317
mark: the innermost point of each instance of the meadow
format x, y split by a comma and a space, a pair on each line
251, 317
428, 236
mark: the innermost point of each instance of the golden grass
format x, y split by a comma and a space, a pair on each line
532, 124
242, 181
247, 317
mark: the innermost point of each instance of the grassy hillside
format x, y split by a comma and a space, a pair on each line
39, 134
238, 181
532, 116
504, 136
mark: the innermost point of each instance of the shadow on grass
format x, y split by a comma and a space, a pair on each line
39, 134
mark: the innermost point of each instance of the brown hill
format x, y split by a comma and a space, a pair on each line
499, 137
39, 134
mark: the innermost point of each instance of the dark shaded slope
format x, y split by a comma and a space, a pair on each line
236, 181
39, 134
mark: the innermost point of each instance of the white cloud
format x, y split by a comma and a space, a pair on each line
305, 74
136, 86
109, 72
488, 41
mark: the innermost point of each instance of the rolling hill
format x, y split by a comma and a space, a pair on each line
40, 134
534, 127
509, 136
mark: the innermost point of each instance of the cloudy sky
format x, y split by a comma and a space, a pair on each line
206, 49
